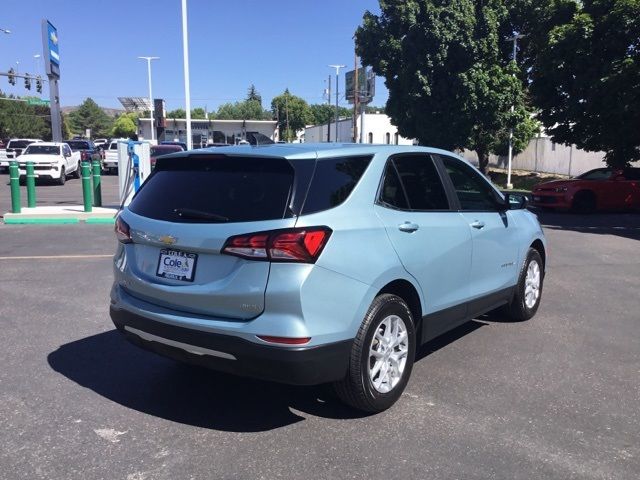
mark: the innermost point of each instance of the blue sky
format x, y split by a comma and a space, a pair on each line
233, 43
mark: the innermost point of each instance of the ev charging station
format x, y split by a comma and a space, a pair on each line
134, 167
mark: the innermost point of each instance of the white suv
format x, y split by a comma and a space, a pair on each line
52, 160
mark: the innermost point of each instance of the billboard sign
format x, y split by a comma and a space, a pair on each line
50, 49
366, 85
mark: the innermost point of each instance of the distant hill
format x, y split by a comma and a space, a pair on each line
112, 112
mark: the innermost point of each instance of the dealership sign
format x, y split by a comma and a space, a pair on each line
51, 49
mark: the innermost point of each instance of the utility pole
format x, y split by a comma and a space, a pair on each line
356, 95
151, 106
337, 67
286, 106
513, 39
329, 103
185, 59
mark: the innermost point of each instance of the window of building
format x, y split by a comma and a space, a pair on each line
387, 138
396, 137
370, 137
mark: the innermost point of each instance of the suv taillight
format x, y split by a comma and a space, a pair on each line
302, 245
122, 231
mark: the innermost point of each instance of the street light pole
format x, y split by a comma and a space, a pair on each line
148, 59
185, 58
513, 39
36, 57
337, 67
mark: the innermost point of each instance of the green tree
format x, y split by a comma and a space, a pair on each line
323, 113
177, 113
585, 73
252, 94
198, 113
124, 127
18, 119
247, 110
292, 111
450, 83
90, 115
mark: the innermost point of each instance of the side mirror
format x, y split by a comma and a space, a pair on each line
516, 201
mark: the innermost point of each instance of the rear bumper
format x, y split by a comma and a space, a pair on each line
231, 354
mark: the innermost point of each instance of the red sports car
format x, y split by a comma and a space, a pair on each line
599, 189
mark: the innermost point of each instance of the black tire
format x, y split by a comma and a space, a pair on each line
63, 176
78, 173
584, 202
357, 389
518, 310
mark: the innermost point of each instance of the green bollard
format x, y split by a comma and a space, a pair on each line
86, 186
31, 185
97, 187
14, 180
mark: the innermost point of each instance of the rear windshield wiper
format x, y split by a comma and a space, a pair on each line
199, 214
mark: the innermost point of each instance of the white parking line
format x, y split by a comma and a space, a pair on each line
57, 257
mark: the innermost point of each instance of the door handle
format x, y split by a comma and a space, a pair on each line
478, 224
408, 227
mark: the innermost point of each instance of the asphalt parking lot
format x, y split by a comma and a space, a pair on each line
555, 397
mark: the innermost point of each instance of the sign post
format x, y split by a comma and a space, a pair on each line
52, 67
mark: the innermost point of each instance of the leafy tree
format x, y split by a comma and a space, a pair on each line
247, 110
374, 109
90, 115
18, 119
292, 111
585, 73
450, 82
177, 113
323, 113
198, 113
124, 127
252, 94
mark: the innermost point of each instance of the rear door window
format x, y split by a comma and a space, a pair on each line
216, 190
333, 181
421, 182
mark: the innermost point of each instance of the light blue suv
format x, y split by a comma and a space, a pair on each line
308, 264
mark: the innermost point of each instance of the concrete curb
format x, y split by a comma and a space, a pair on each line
61, 215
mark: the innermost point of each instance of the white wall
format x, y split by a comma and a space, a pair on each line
230, 128
376, 127
543, 155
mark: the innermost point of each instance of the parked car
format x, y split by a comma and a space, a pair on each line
14, 149
160, 150
319, 263
110, 162
182, 144
599, 189
100, 141
52, 160
87, 149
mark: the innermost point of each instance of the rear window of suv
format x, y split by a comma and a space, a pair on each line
333, 181
216, 189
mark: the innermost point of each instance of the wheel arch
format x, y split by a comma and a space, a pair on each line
539, 247
409, 293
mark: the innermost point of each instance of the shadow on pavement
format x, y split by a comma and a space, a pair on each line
625, 225
113, 368
109, 365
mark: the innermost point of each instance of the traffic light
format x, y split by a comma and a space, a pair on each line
12, 76
27, 81
39, 84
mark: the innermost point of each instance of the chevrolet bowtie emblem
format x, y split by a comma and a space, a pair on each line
168, 239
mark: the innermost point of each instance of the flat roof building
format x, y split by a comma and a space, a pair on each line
206, 132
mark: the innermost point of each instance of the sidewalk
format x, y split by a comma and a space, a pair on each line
61, 214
